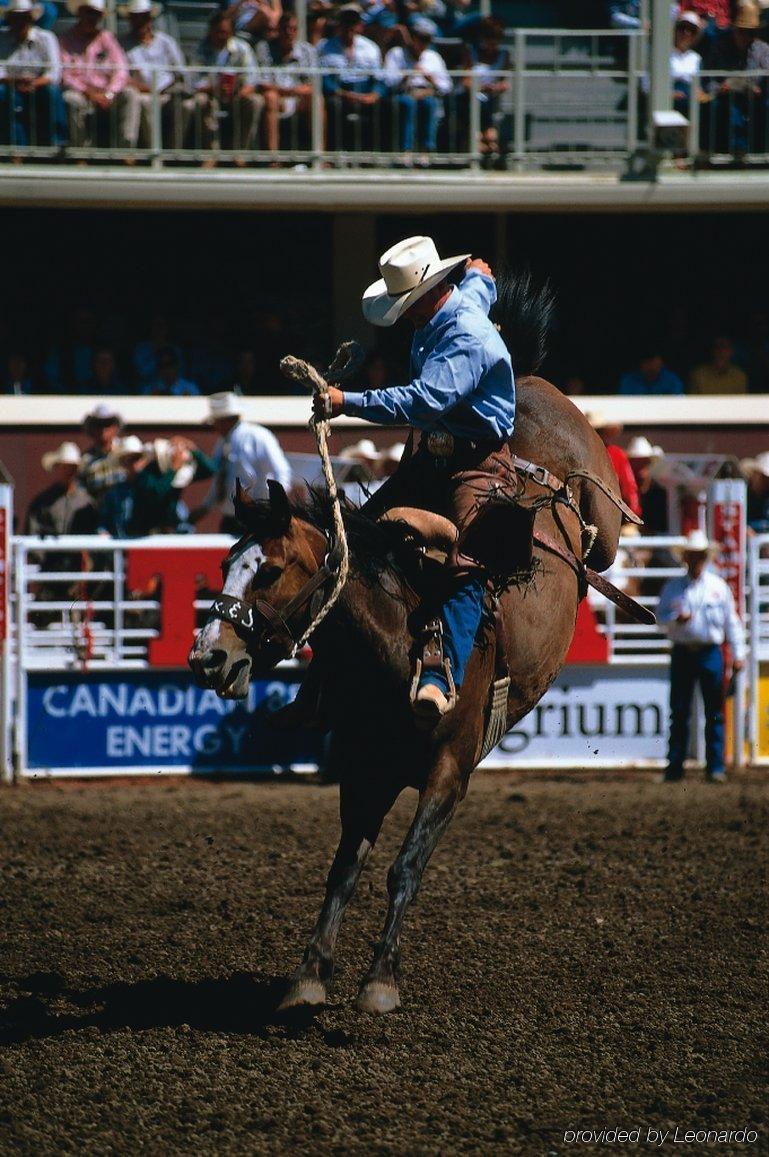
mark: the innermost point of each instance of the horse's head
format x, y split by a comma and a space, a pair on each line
275, 579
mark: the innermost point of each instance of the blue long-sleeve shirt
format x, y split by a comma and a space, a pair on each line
462, 375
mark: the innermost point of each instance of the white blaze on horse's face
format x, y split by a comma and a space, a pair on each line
218, 648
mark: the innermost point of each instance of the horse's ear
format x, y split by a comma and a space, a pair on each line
243, 503
280, 508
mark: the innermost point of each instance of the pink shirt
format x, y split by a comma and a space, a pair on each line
79, 60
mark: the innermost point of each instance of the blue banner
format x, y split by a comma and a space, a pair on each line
160, 720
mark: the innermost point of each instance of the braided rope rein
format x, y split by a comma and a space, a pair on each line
309, 377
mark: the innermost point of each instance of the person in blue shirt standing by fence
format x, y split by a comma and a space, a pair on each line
462, 399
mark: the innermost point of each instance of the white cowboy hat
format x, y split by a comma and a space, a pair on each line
68, 454
139, 8
641, 447
757, 465
104, 414
129, 447
163, 450
689, 18
365, 451
23, 8
74, 6
409, 270
697, 542
394, 453
224, 405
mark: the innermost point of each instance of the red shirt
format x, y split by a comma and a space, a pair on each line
719, 9
627, 484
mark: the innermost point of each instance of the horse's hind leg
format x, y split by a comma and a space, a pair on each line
362, 809
437, 803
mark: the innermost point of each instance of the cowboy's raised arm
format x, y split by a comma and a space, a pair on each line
478, 285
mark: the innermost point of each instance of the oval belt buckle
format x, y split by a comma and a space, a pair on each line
440, 443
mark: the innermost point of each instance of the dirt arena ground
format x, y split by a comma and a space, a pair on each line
584, 953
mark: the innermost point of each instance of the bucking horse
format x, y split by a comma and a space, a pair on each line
281, 574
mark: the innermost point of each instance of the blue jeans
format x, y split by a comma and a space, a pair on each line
423, 112
689, 666
461, 617
35, 117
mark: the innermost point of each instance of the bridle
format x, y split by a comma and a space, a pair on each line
280, 633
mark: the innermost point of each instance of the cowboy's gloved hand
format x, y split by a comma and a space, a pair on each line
329, 405
481, 265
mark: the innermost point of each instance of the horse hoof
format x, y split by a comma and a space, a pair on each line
378, 998
303, 994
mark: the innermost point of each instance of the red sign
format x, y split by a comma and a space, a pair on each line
588, 645
176, 578
728, 529
5, 563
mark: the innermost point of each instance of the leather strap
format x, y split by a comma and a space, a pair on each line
588, 577
591, 477
538, 474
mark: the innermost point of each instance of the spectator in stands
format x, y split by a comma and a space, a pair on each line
285, 95
151, 51
226, 98
685, 63
68, 365
652, 376
172, 466
95, 76
104, 378
653, 498
98, 470
64, 507
255, 19
608, 432
719, 375
245, 451
31, 104
715, 15
699, 614
418, 79
209, 359
741, 101
486, 61
353, 91
756, 471
17, 378
119, 504
169, 381
145, 354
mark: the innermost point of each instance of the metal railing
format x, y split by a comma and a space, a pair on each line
728, 114
568, 96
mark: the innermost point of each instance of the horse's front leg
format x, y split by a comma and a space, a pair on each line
362, 810
437, 803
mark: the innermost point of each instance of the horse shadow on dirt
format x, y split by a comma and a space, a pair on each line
240, 1004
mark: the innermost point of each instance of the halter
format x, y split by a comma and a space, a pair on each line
265, 627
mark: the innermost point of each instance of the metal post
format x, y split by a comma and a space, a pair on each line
632, 92
693, 132
20, 707
156, 123
474, 123
316, 120
118, 571
519, 111
6, 713
660, 90
754, 635
300, 11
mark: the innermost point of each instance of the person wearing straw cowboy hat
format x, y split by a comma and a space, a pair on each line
244, 451
64, 507
95, 77
462, 399
157, 66
31, 103
699, 615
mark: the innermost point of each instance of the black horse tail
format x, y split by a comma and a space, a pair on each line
524, 314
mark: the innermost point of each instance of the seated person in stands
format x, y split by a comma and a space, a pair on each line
715, 15
756, 472
146, 352
486, 60
254, 19
740, 118
652, 376
148, 50
225, 98
286, 94
169, 381
16, 378
354, 86
417, 77
31, 104
104, 377
98, 468
719, 375
95, 75
685, 63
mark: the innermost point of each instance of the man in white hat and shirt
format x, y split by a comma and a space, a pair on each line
699, 615
150, 51
462, 398
31, 101
95, 77
244, 451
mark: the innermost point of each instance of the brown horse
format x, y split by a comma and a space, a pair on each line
363, 652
